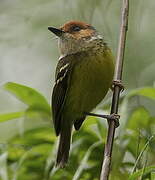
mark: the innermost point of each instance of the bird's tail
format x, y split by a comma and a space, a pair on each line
64, 146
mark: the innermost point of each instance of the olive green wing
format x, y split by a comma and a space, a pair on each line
62, 81
59, 94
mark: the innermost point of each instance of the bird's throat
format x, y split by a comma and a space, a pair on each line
75, 46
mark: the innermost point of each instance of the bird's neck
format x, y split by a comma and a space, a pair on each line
71, 47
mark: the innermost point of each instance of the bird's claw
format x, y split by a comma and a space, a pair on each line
115, 118
117, 83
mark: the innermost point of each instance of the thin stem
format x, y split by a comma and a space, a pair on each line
115, 100
141, 153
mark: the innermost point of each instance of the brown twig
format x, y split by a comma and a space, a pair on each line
115, 100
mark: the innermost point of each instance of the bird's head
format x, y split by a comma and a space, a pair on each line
75, 36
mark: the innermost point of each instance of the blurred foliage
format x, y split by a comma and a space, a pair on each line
32, 155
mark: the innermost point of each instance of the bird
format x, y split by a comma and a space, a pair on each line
83, 77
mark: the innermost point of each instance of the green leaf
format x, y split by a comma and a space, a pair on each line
141, 171
139, 118
84, 161
28, 95
102, 130
3, 165
152, 175
35, 137
148, 92
37, 113
90, 120
9, 116
32, 161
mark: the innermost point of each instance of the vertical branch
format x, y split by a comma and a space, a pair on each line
115, 100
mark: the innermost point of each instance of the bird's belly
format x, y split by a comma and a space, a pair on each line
90, 82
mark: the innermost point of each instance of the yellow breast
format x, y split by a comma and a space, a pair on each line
90, 81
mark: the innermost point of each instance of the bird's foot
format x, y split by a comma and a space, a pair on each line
114, 117
117, 83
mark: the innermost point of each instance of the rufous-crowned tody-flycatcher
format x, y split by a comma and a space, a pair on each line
83, 76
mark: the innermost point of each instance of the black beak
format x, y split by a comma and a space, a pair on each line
57, 32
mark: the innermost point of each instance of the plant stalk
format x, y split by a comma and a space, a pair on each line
116, 93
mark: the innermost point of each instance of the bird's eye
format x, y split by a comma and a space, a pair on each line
76, 28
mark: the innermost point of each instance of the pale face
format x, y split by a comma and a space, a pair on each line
77, 37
